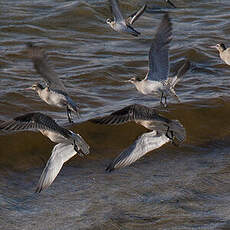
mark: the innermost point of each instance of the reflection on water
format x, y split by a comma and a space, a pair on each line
170, 188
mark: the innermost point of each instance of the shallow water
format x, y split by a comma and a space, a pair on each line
184, 187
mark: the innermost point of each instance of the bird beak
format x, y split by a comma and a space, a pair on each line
127, 80
171, 4
212, 47
29, 88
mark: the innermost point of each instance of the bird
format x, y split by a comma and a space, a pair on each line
69, 143
223, 52
163, 130
54, 93
120, 24
157, 82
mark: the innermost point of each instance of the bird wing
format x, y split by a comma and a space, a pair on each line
133, 112
61, 153
158, 53
170, 3
33, 121
144, 144
183, 69
134, 16
115, 9
172, 81
41, 65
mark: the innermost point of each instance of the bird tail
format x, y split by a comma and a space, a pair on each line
172, 81
80, 143
177, 130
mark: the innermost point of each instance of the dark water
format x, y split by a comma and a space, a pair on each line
171, 188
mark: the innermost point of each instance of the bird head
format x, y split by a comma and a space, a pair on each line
109, 21
134, 80
220, 47
36, 87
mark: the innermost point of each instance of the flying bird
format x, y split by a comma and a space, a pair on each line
223, 52
54, 93
69, 143
157, 82
120, 24
163, 131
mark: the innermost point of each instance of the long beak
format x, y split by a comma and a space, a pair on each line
29, 88
127, 80
170, 3
212, 47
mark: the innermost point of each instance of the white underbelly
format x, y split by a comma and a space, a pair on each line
150, 88
53, 136
53, 98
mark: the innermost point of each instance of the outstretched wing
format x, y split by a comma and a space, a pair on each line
133, 17
41, 65
131, 113
144, 144
33, 121
172, 81
115, 9
158, 54
183, 69
61, 153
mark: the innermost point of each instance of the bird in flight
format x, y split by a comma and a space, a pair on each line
120, 24
163, 130
157, 82
54, 93
69, 143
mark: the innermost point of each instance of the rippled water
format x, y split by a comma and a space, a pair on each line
171, 188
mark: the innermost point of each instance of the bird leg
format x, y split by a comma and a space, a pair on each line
75, 146
161, 101
161, 98
166, 105
68, 112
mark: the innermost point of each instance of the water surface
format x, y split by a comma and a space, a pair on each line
171, 188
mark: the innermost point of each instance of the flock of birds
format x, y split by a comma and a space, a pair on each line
156, 83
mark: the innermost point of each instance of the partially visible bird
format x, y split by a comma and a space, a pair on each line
154, 8
223, 52
120, 24
163, 130
69, 143
54, 93
157, 82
